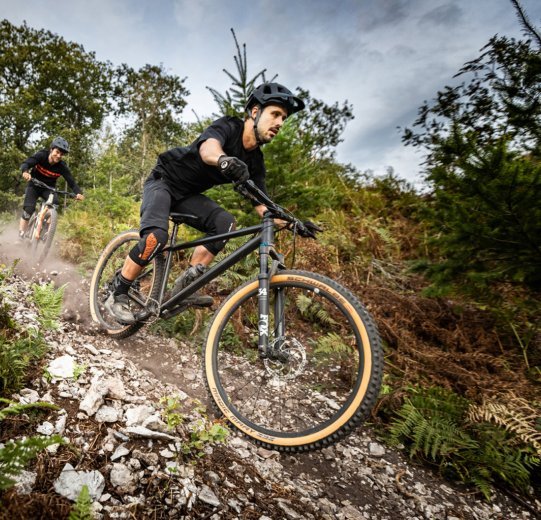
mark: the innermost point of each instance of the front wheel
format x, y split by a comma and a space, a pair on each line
145, 288
323, 371
43, 234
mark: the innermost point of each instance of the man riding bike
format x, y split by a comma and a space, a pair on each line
227, 151
45, 166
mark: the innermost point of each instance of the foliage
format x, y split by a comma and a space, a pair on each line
48, 86
433, 423
202, 434
49, 299
15, 455
233, 101
17, 408
170, 413
185, 325
239, 273
514, 414
151, 100
313, 311
82, 509
321, 125
16, 357
87, 228
482, 140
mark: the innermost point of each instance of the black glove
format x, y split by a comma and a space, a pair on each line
234, 169
307, 229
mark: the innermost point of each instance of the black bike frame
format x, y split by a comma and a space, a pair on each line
264, 240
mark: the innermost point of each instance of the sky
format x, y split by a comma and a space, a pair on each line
384, 57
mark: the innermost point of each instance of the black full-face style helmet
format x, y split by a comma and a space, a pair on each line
61, 144
274, 93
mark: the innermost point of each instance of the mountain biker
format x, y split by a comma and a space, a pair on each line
45, 166
227, 151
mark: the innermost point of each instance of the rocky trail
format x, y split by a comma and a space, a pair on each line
111, 411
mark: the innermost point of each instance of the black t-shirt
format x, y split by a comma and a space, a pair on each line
186, 173
48, 173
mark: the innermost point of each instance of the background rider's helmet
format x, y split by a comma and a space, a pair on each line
275, 94
61, 144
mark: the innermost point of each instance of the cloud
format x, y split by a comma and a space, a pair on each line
448, 15
384, 56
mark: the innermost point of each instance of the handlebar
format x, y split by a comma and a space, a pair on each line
250, 191
43, 185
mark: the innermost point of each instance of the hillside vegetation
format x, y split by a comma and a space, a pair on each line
451, 275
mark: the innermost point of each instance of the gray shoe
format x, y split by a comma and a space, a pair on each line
119, 307
186, 278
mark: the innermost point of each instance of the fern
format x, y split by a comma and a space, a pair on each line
15, 455
242, 271
17, 408
15, 357
82, 510
332, 347
436, 423
49, 302
518, 416
313, 311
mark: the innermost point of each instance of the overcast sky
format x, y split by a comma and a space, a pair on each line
385, 57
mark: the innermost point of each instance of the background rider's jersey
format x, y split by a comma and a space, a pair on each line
43, 171
185, 172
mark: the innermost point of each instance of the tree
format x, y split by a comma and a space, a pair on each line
232, 103
48, 87
483, 163
151, 100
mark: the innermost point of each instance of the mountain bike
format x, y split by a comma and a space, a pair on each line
291, 358
42, 224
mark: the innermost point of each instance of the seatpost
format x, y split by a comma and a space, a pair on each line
267, 241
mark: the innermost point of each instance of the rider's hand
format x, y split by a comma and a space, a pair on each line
233, 168
308, 229
79, 196
27, 176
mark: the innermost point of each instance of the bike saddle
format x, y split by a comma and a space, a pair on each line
179, 218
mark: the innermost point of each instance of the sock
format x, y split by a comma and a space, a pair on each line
122, 285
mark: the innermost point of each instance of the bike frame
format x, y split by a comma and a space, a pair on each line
264, 240
40, 216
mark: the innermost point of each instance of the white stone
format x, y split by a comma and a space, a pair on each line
70, 483
62, 367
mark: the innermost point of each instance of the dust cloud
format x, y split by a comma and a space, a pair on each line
17, 254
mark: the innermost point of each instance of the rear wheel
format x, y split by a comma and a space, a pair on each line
43, 235
145, 288
323, 372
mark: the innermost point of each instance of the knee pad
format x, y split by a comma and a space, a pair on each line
221, 221
27, 214
151, 243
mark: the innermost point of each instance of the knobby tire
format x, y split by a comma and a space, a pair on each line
324, 384
145, 287
42, 245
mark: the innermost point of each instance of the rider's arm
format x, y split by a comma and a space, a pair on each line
66, 173
29, 163
210, 151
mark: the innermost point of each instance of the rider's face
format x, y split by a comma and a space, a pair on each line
271, 120
55, 156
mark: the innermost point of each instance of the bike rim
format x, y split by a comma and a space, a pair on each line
140, 293
319, 386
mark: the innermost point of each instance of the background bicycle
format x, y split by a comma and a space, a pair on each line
291, 358
42, 224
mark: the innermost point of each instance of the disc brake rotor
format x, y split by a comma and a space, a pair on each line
287, 361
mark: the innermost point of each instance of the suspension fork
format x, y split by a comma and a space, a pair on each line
266, 252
